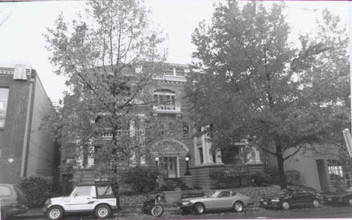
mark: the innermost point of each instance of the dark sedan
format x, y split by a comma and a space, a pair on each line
338, 198
288, 198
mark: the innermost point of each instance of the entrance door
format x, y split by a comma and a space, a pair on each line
170, 165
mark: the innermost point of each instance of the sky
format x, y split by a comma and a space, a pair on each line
22, 41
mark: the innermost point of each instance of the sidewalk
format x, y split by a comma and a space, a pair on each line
33, 213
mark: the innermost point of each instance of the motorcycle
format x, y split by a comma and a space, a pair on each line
152, 205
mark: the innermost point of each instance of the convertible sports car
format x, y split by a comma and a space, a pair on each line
289, 198
338, 198
219, 200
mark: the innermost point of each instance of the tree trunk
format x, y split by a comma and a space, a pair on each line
280, 166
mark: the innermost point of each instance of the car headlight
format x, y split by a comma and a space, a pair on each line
275, 200
47, 202
186, 203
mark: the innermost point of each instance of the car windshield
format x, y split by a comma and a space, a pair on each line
284, 192
215, 194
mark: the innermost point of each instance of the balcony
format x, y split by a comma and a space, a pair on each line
167, 109
122, 133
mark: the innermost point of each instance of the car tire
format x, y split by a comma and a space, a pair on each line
102, 211
316, 203
285, 205
238, 206
199, 208
55, 213
157, 211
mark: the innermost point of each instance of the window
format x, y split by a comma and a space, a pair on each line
185, 128
5, 191
4, 94
335, 169
165, 97
224, 194
83, 191
201, 157
104, 191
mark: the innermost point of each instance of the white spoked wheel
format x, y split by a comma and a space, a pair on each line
102, 211
286, 205
237, 207
55, 213
157, 211
316, 203
199, 208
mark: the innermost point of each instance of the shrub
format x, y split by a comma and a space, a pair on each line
292, 176
36, 190
273, 175
259, 179
220, 180
172, 184
142, 179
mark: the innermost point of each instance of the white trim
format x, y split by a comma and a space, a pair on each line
178, 166
25, 139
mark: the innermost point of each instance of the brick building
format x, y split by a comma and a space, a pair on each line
170, 154
25, 149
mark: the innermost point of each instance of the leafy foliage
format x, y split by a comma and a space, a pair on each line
172, 184
109, 55
221, 180
292, 176
256, 85
36, 190
141, 178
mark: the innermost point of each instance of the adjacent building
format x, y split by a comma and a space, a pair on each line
25, 149
322, 167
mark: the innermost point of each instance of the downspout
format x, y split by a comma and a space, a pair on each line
26, 131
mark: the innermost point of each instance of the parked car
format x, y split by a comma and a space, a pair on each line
219, 200
11, 201
99, 200
289, 198
343, 197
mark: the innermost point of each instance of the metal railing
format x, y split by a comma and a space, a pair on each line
167, 108
236, 170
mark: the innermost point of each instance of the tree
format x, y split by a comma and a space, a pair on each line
109, 55
256, 85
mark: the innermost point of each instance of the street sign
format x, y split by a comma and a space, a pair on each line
11, 159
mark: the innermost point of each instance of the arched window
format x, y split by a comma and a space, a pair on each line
165, 97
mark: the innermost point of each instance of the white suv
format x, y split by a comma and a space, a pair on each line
99, 200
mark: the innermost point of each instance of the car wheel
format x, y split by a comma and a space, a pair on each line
157, 211
199, 208
237, 206
102, 211
316, 203
55, 213
349, 201
286, 205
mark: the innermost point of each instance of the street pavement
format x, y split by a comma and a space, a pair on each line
249, 213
